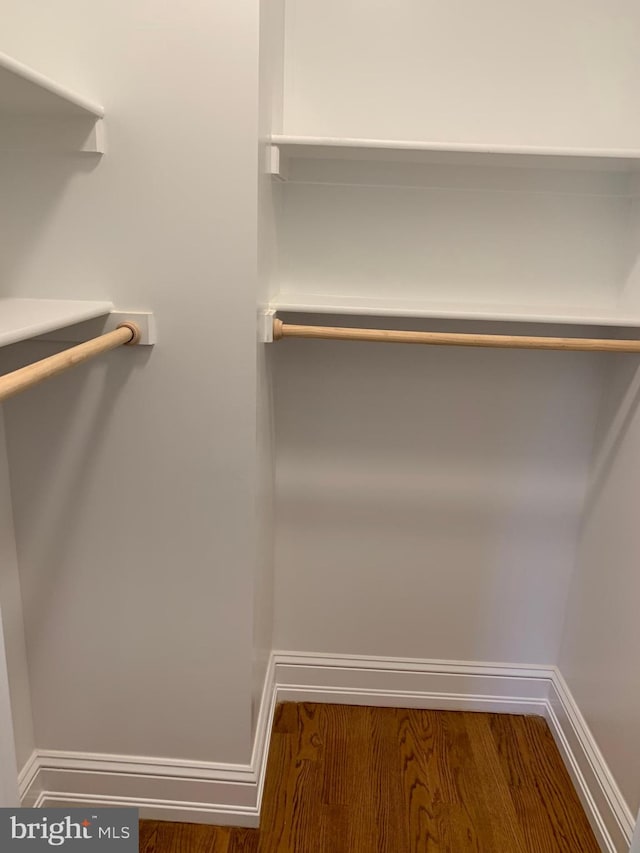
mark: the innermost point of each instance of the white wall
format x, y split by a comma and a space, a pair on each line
599, 656
8, 761
468, 237
271, 57
16, 725
635, 843
428, 499
13, 639
134, 479
544, 73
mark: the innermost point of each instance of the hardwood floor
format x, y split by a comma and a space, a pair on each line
345, 779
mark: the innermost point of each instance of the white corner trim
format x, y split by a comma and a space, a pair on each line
609, 814
264, 726
8, 762
162, 788
635, 841
231, 794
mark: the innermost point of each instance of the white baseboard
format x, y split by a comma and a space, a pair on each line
162, 788
203, 792
406, 683
608, 813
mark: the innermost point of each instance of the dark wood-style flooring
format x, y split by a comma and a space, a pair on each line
345, 779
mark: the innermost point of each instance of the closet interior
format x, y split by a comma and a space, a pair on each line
460, 172
253, 518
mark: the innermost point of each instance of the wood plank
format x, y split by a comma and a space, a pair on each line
334, 829
545, 800
424, 795
244, 841
167, 837
147, 835
291, 801
344, 779
488, 792
385, 770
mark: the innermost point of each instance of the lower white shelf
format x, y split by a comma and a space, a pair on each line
22, 319
38, 114
486, 312
318, 147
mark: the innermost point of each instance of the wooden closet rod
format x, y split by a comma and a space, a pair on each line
32, 374
452, 339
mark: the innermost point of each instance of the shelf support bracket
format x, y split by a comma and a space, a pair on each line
277, 163
265, 325
28, 133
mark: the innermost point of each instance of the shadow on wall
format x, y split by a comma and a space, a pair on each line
428, 499
60, 427
35, 182
617, 411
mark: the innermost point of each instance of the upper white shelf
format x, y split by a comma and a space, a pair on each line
36, 112
317, 147
24, 91
22, 319
423, 309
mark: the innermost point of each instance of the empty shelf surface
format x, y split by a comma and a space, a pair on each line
384, 307
25, 92
21, 319
312, 147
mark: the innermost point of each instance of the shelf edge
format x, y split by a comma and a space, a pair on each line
31, 76
435, 313
451, 147
89, 311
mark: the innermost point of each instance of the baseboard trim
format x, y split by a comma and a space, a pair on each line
226, 794
162, 788
391, 682
602, 800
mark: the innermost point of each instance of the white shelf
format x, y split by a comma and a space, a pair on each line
380, 307
22, 319
24, 91
485, 213
36, 112
318, 147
